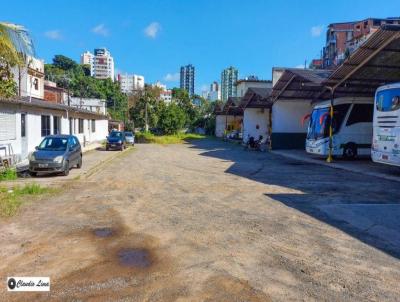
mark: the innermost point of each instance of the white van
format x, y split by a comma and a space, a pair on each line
352, 127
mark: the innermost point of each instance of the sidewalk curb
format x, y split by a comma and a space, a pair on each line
336, 166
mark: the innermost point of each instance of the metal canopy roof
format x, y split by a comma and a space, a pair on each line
231, 107
296, 83
257, 98
374, 63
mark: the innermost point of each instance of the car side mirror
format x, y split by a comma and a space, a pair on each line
36, 148
71, 148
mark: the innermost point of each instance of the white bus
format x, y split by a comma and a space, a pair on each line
386, 140
352, 128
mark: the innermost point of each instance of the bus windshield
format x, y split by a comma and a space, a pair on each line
388, 100
320, 121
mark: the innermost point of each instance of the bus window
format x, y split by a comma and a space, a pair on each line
388, 100
361, 113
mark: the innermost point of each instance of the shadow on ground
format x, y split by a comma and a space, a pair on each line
365, 207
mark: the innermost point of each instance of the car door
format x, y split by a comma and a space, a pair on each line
76, 150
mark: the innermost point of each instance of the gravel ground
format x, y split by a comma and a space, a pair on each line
209, 222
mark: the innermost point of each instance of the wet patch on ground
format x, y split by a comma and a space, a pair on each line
134, 258
103, 232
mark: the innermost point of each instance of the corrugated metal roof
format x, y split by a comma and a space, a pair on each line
374, 63
39, 103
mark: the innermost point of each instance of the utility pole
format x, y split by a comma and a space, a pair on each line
146, 127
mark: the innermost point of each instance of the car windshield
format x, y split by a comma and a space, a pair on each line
116, 134
128, 134
54, 144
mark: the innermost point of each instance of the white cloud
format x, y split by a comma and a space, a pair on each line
316, 31
152, 30
53, 34
172, 77
101, 30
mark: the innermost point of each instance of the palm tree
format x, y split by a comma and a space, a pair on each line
15, 47
15, 44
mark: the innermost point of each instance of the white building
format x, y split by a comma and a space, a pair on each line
166, 95
30, 79
87, 58
131, 83
90, 104
250, 82
101, 63
24, 123
256, 116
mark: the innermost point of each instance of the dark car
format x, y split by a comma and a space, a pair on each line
56, 154
130, 137
116, 140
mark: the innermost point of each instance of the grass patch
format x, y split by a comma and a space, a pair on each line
8, 174
12, 199
179, 138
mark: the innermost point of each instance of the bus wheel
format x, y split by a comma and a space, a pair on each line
350, 151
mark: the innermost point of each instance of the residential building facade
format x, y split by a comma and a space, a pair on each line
131, 83
30, 78
89, 104
342, 39
101, 63
229, 76
215, 92
187, 78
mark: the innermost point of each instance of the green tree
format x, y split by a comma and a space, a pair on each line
172, 119
64, 63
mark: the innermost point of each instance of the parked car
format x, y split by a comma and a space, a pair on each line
56, 154
116, 140
130, 137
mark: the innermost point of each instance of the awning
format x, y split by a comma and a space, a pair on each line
257, 98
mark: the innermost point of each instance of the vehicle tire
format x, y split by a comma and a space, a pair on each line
34, 174
350, 151
107, 148
66, 169
79, 164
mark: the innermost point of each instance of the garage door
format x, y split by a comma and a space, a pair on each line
7, 126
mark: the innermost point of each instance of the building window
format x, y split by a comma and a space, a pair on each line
45, 125
56, 125
93, 125
36, 84
80, 125
23, 124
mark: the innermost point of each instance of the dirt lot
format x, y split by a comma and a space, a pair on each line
209, 222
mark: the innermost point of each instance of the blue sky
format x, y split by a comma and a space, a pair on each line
154, 38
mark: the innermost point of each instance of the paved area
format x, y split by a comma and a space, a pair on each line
209, 222
92, 159
363, 165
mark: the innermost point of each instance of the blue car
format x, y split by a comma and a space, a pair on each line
116, 140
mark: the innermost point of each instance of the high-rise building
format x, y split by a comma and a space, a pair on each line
187, 78
131, 83
229, 76
101, 63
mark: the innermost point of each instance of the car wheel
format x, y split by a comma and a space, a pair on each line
66, 169
79, 164
350, 151
33, 173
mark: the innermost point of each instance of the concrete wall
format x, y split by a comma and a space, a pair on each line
287, 130
22, 146
252, 118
